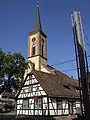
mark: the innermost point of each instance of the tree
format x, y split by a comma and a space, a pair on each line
9, 105
14, 67
2, 55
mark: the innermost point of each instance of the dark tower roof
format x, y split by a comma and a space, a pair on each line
38, 21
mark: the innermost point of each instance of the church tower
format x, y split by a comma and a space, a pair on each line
37, 44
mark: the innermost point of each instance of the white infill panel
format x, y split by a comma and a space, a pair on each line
45, 105
19, 96
50, 106
65, 107
77, 104
19, 101
33, 76
27, 82
43, 93
45, 100
36, 112
25, 112
31, 112
17, 112
40, 112
60, 112
52, 112
35, 81
31, 101
19, 106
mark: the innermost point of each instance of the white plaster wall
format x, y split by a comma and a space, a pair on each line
25, 112
43, 61
45, 69
38, 112
53, 112
65, 112
60, 112
36, 61
17, 112
31, 100
0, 96
45, 100
19, 101
77, 104
19, 106
31, 112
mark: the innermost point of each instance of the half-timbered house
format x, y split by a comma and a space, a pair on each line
48, 94
45, 91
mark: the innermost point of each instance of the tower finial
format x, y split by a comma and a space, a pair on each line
37, 3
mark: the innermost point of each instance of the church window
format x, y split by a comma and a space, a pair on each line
33, 50
42, 48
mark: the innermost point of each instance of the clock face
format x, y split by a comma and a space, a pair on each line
34, 39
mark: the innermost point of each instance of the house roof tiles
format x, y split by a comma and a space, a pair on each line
56, 85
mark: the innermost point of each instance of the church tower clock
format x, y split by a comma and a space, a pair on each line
37, 44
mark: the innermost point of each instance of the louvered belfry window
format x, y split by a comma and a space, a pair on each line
33, 50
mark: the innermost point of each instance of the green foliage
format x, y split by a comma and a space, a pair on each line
2, 55
16, 83
12, 68
2, 88
14, 65
9, 105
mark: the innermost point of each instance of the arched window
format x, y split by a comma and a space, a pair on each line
33, 50
42, 49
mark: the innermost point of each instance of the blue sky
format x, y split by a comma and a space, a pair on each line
17, 18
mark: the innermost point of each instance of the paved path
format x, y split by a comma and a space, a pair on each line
5, 116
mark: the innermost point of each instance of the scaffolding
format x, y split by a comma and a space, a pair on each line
82, 63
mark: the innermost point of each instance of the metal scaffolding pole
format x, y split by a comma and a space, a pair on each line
82, 64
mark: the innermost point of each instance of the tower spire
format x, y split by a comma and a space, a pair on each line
37, 21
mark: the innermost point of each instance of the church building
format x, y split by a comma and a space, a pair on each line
45, 90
